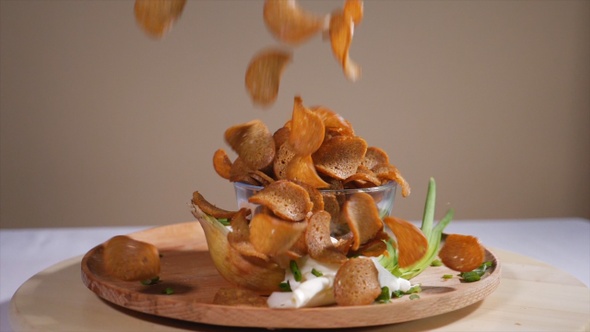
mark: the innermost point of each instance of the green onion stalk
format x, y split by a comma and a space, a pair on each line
433, 234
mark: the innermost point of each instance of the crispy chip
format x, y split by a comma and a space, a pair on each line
406, 190
364, 177
285, 199
317, 238
240, 172
333, 205
131, 260
281, 136
239, 297
315, 196
283, 157
156, 17
299, 248
336, 184
362, 217
248, 252
211, 209
248, 270
222, 164
375, 156
344, 243
354, 10
341, 32
240, 228
253, 143
411, 242
262, 178
373, 248
263, 75
356, 282
301, 169
239, 238
340, 157
273, 236
289, 23
462, 252
333, 122
307, 129
390, 172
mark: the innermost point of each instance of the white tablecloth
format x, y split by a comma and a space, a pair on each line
563, 243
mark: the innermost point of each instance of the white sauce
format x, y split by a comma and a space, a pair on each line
315, 291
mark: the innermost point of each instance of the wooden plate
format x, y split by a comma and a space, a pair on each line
189, 271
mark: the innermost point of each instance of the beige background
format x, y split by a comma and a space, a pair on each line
101, 125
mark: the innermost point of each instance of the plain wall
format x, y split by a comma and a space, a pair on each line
102, 125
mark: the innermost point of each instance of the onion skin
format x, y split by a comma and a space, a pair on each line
244, 272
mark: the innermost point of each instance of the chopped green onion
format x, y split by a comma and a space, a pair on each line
397, 293
295, 270
414, 289
151, 281
476, 274
436, 262
414, 297
316, 272
447, 276
224, 221
285, 286
470, 276
385, 295
168, 291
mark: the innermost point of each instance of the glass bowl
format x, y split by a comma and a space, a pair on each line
383, 196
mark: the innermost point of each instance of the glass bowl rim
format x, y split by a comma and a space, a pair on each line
387, 186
